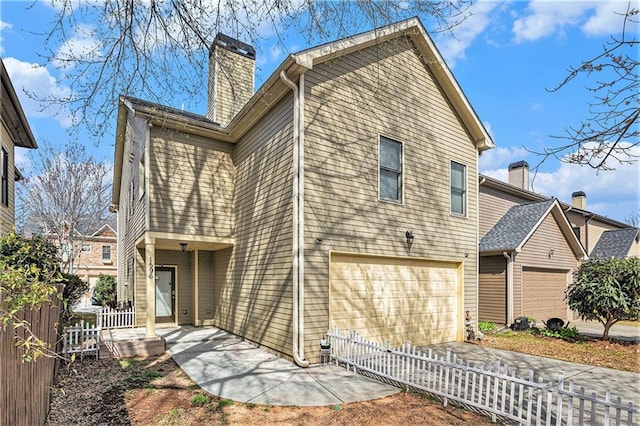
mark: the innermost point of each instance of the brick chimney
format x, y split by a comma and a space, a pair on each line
231, 77
579, 200
519, 174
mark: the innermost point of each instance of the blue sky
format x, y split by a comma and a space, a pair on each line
504, 56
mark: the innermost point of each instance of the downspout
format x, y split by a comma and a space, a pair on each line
298, 241
509, 257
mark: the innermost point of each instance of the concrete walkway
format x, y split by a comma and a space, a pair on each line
230, 368
594, 379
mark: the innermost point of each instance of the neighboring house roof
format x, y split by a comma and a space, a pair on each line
12, 114
615, 243
533, 196
517, 225
274, 89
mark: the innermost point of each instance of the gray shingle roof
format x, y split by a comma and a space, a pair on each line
615, 243
510, 231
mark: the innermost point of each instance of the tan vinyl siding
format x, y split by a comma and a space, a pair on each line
7, 213
253, 279
350, 101
493, 205
191, 184
590, 229
206, 297
131, 210
634, 251
492, 297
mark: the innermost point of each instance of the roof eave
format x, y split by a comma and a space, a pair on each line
23, 139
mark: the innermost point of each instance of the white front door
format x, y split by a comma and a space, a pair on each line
165, 294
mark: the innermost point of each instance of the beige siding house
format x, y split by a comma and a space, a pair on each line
14, 132
530, 244
341, 193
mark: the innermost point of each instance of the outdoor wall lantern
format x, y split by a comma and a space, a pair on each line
409, 236
183, 247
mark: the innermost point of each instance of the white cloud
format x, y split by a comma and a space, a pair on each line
536, 106
607, 19
36, 79
454, 47
546, 18
609, 193
497, 158
3, 26
83, 46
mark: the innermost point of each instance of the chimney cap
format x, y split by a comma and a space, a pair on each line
233, 45
518, 165
578, 194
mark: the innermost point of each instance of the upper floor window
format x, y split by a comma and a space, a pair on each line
390, 178
4, 189
141, 177
458, 188
106, 253
576, 231
86, 247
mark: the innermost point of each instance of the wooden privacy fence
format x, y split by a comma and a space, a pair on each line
82, 338
25, 386
116, 318
492, 389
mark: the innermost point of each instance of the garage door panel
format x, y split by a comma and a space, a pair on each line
543, 293
396, 299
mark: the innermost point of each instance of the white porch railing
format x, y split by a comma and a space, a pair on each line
83, 338
116, 318
492, 390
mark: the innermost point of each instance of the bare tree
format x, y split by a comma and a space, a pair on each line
66, 201
158, 49
609, 135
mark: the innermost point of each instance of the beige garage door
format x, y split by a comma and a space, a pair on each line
397, 299
543, 293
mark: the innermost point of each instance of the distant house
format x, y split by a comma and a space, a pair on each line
342, 192
15, 132
530, 244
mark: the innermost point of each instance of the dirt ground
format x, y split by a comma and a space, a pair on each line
156, 391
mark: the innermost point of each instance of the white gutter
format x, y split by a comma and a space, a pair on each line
510, 258
298, 223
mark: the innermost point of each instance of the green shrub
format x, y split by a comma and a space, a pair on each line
486, 326
563, 333
74, 289
106, 291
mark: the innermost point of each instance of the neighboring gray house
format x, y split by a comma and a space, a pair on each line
342, 192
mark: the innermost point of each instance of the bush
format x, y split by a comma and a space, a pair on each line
29, 272
106, 291
570, 334
74, 289
486, 326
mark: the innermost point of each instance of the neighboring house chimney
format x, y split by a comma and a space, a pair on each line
579, 200
231, 77
519, 174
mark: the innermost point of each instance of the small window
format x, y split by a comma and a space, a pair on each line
576, 231
141, 182
106, 253
86, 247
390, 179
458, 188
4, 198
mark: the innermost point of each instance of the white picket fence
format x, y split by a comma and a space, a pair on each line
492, 390
116, 318
83, 338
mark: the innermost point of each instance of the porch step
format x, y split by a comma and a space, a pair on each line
113, 347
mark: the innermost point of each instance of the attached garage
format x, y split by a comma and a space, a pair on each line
543, 293
400, 299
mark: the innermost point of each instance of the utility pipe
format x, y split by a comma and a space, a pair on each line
298, 260
509, 257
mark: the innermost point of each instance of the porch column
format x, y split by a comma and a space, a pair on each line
196, 279
150, 273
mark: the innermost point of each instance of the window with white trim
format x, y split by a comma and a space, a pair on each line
390, 174
4, 166
458, 188
106, 253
